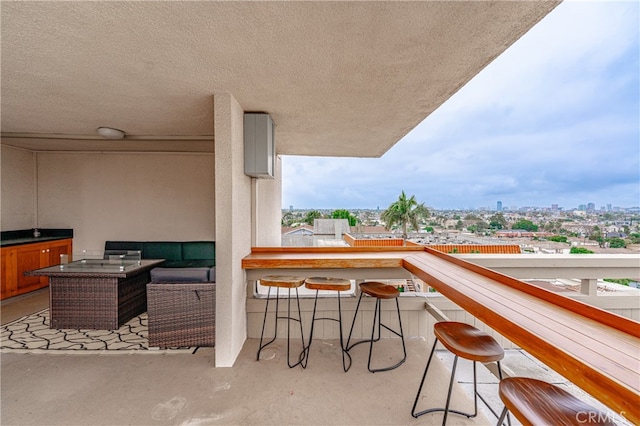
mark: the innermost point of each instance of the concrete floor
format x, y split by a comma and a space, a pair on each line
155, 388
186, 389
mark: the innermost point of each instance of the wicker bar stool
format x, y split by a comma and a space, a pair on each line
464, 341
288, 282
535, 402
380, 292
327, 284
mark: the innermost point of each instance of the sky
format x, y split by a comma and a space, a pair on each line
554, 120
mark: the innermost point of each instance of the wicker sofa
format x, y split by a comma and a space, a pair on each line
181, 294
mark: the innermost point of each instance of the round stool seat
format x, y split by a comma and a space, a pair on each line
283, 281
326, 283
379, 290
468, 342
536, 402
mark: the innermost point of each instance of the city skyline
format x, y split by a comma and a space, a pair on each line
506, 208
553, 120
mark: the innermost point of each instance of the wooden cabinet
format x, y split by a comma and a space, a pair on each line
18, 259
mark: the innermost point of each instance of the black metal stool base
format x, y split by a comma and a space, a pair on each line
377, 320
345, 355
289, 318
447, 409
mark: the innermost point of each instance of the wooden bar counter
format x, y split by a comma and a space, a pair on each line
595, 349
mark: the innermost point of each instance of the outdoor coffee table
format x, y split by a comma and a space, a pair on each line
96, 293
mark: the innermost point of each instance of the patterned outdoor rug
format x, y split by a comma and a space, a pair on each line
31, 334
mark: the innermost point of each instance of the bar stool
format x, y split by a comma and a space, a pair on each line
464, 341
535, 402
288, 282
327, 284
380, 291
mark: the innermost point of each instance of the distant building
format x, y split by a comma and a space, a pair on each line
499, 206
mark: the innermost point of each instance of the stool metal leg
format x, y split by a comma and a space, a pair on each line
343, 348
424, 376
264, 322
299, 320
377, 320
345, 354
289, 319
502, 416
353, 323
446, 409
482, 398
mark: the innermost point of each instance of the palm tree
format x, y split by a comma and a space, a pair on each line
404, 211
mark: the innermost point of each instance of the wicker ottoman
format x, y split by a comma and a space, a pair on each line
181, 314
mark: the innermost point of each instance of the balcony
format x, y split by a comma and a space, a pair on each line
565, 333
187, 389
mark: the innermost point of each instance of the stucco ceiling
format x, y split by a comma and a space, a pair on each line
338, 78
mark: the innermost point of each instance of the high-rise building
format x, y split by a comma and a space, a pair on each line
499, 206
554, 207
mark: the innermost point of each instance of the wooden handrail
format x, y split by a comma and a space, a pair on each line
595, 349
610, 319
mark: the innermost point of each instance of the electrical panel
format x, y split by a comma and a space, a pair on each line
259, 146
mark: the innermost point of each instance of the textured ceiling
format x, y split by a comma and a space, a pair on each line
338, 78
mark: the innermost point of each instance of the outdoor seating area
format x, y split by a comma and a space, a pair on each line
186, 388
127, 389
173, 281
557, 330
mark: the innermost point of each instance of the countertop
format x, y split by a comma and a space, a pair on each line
25, 236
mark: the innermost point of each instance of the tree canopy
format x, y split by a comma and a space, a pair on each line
497, 221
344, 214
311, 216
525, 224
405, 211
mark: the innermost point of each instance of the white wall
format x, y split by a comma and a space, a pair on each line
127, 196
267, 210
233, 223
110, 196
17, 188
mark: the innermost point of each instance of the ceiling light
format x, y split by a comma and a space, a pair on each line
109, 133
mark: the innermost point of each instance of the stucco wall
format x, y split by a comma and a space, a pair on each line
233, 223
18, 188
119, 196
267, 210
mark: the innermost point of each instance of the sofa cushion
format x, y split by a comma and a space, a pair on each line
179, 275
168, 250
121, 247
189, 263
198, 250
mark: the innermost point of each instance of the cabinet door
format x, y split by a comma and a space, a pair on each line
54, 250
29, 257
8, 282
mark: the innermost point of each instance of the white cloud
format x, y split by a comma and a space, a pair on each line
552, 120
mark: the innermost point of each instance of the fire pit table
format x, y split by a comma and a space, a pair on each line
97, 293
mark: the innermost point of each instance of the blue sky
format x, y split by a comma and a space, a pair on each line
554, 120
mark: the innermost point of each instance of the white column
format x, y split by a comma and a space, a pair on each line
589, 286
233, 228
267, 211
